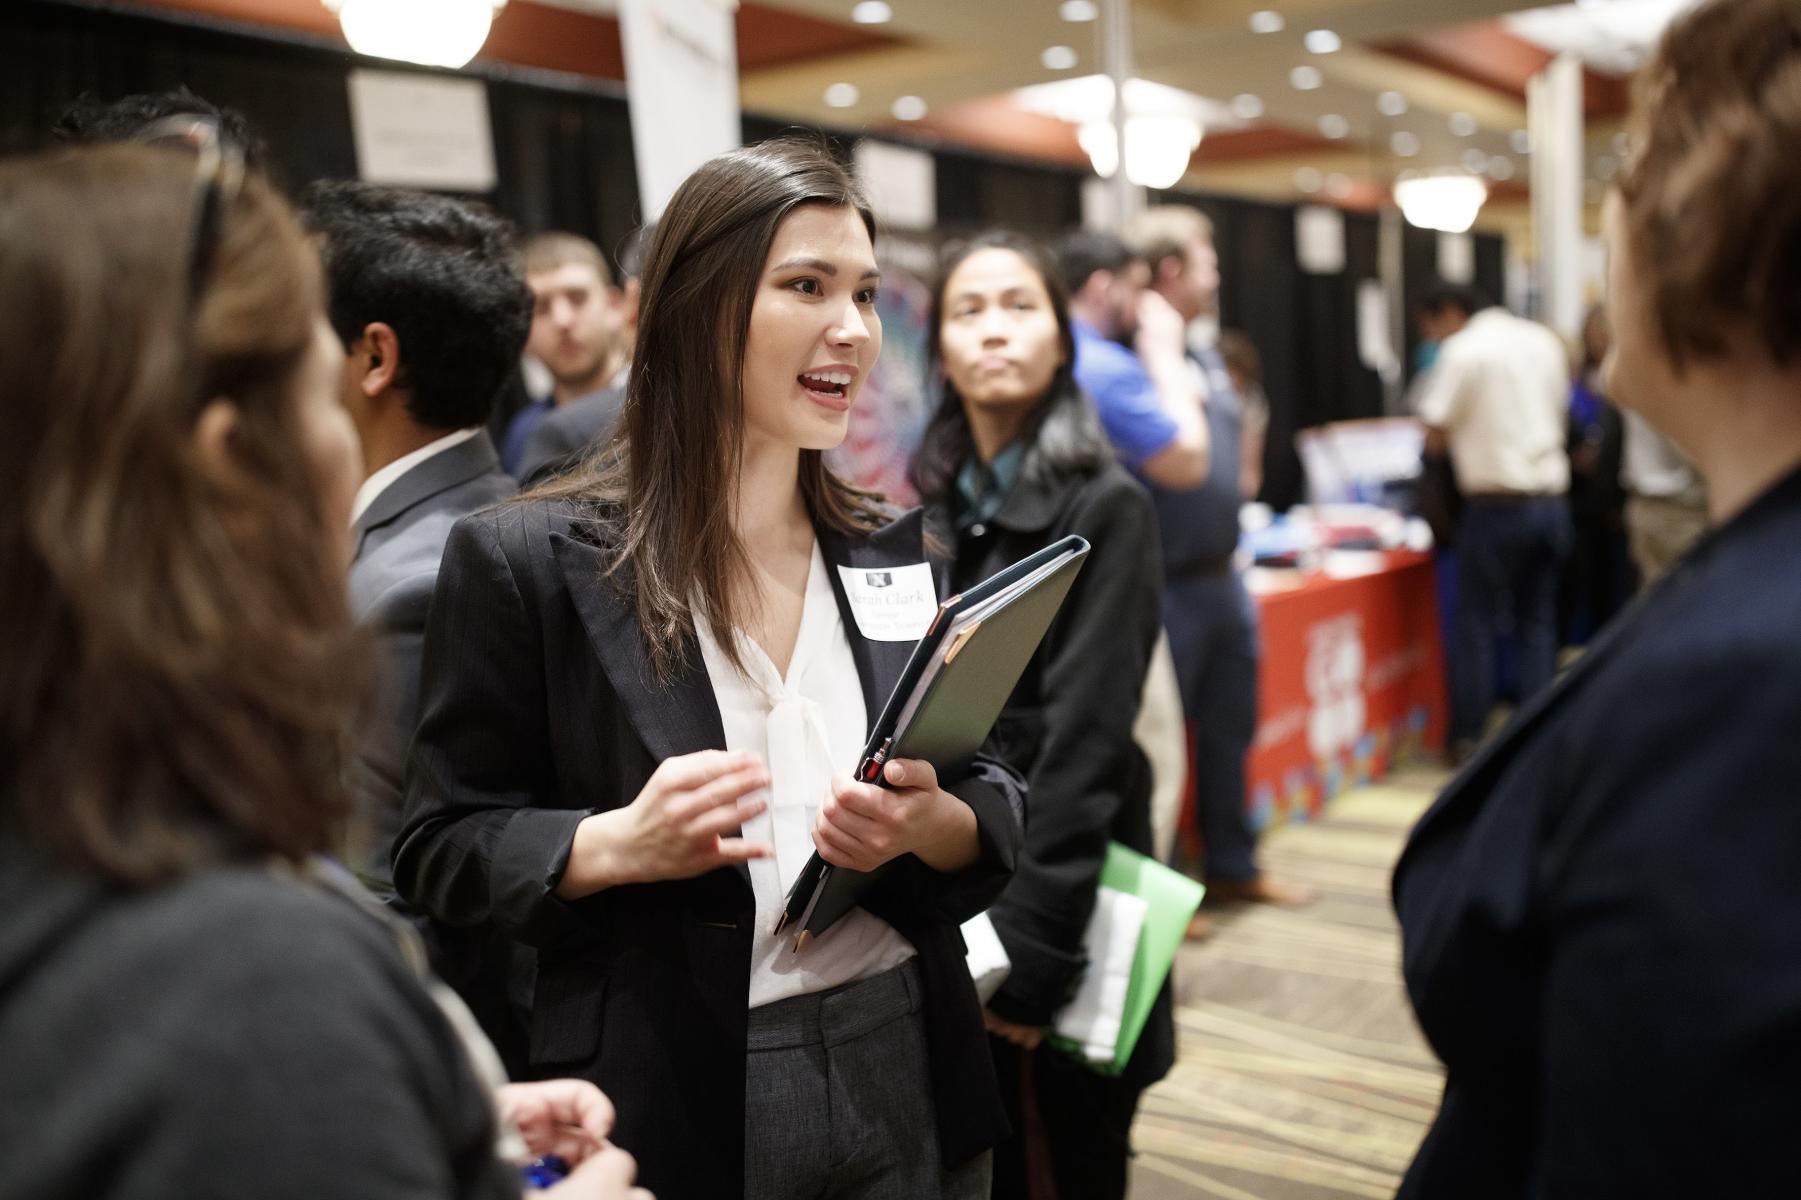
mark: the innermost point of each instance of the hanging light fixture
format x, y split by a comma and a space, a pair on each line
1448, 203
432, 33
1157, 147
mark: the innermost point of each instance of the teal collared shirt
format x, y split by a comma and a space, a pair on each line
982, 487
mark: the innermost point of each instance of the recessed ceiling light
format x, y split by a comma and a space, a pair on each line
1338, 186
872, 12
909, 108
1521, 141
1500, 168
1475, 160
842, 95
1058, 58
1077, 10
1308, 180
1305, 78
1462, 124
1334, 126
1322, 41
1606, 167
1404, 144
1267, 21
1246, 106
1391, 104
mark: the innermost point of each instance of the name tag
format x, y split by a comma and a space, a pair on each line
891, 604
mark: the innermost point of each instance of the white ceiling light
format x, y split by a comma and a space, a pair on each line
1267, 21
1612, 38
1304, 78
1391, 104
1077, 11
1247, 106
1058, 58
842, 95
909, 108
1404, 144
1322, 41
433, 33
1500, 168
1475, 160
1521, 141
872, 12
1334, 126
1158, 146
1462, 124
1308, 180
1448, 203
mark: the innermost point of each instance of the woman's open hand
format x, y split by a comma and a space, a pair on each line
684, 823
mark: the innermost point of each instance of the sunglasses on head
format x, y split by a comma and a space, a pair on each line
218, 176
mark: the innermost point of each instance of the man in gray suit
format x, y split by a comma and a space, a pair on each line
428, 297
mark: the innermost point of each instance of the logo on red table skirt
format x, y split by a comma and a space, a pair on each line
1335, 662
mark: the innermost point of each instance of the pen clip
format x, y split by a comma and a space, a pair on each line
872, 769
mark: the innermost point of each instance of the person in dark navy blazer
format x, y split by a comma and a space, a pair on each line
1602, 913
643, 687
1013, 460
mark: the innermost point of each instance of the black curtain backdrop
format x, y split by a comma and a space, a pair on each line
563, 153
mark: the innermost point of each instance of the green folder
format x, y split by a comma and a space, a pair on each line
1170, 901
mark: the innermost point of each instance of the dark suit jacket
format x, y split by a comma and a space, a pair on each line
399, 542
1068, 728
540, 708
564, 437
1602, 913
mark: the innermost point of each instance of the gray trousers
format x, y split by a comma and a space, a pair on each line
838, 1099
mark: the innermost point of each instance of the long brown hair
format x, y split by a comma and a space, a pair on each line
176, 660
664, 485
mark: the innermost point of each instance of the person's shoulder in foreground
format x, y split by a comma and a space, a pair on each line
234, 1033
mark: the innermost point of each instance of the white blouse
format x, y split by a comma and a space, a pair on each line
804, 727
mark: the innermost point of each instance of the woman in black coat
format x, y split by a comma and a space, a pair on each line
638, 685
1013, 460
1601, 915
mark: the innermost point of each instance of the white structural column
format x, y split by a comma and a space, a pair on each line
1116, 57
1554, 111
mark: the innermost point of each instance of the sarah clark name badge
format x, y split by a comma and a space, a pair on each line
891, 604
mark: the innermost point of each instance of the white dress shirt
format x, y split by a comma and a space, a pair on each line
1501, 391
804, 727
386, 477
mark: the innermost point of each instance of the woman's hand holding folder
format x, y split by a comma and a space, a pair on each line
863, 825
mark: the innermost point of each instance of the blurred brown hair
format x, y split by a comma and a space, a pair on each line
175, 654
1712, 187
1165, 231
548, 251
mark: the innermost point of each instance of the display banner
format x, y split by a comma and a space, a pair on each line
681, 82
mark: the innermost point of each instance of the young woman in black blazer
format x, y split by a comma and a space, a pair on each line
1013, 460
600, 656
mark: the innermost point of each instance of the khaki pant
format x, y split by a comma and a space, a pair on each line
1660, 531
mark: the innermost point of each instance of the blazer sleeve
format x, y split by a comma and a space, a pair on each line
478, 843
1094, 662
396, 625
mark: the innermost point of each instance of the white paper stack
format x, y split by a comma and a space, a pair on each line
1093, 1017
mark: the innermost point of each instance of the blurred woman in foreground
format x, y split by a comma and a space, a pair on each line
1601, 915
190, 1003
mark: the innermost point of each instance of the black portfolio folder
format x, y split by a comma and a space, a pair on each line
947, 699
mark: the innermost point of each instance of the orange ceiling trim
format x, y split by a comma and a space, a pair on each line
560, 39
1487, 54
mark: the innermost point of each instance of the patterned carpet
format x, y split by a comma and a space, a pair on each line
1301, 1074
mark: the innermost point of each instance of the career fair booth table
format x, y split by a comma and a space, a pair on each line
1352, 678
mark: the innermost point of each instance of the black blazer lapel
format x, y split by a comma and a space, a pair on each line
672, 719
879, 664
